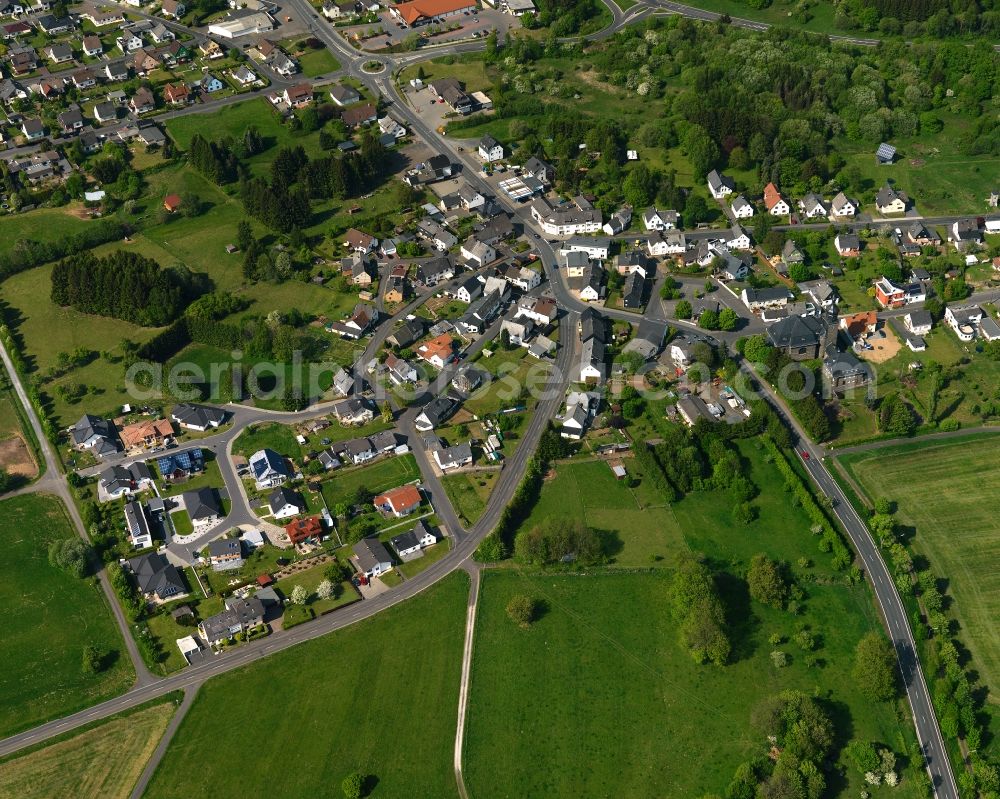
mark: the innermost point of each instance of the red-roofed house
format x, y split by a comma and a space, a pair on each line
304, 529
774, 202
176, 93
400, 501
438, 351
172, 202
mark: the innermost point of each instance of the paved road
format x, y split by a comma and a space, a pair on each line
893, 611
463, 688
895, 442
161, 748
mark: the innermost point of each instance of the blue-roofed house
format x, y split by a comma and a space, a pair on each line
268, 469
181, 465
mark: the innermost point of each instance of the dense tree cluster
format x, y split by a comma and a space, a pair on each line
767, 581
26, 253
123, 285
559, 540
699, 612
215, 160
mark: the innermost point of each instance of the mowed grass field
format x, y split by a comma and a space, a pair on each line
946, 491
382, 475
600, 686
379, 697
600, 682
50, 617
103, 762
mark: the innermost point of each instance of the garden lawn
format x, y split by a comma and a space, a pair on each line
601, 685
103, 762
382, 475
432, 554
317, 62
51, 616
272, 435
945, 491
469, 492
313, 708
41, 224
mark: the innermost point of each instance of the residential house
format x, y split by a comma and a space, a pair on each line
859, 325
719, 185
619, 221
343, 382
741, 207
692, 409
964, 320
843, 371
59, 53
469, 289
70, 120
268, 468
202, 506
565, 219
802, 338
308, 529
359, 115
437, 167
495, 230
539, 170
92, 46
412, 541
144, 61
581, 407
848, 245
448, 458
358, 241
22, 60
467, 378
732, 267
160, 33
765, 298
965, 232
240, 616
477, 253
119, 481
435, 412
147, 434
592, 364
519, 330
400, 501
541, 310
53, 26
173, 9
438, 352
353, 411
634, 291
596, 247
663, 243
225, 554
490, 149
400, 371
344, 95
137, 525
813, 206
776, 204
176, 93
918, 322
244, 76
843, 206
589, 285
372, 557
822, 292
890, 201
298, 96
192, 416
357, 324
525, 278
408, 332
283, 503
177, 466
142, 101
281, 63
116, 71
397, 289
156, 578
738, 238
655, 219
889, 295
791, 254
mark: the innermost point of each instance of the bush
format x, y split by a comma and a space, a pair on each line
71, 555
522, 609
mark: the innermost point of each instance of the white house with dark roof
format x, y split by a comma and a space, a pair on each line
268, 469
720, 185
490, 149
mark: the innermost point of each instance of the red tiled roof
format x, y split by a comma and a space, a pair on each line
399, 499
426, 9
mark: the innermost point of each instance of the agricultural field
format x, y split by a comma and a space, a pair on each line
102, 762
944, 491
51, 617
314, 708
18, 450
601, 684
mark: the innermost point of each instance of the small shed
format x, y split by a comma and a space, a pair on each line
885, 154
172, 202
